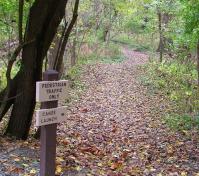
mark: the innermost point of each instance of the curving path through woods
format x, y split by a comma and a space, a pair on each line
115, 128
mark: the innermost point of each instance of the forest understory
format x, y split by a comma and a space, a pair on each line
115, 128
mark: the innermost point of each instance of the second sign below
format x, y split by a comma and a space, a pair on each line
50, 116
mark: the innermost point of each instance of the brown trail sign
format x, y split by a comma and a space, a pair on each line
49, 92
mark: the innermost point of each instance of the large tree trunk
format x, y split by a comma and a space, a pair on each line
43, 21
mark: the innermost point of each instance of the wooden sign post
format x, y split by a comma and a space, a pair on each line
49, 92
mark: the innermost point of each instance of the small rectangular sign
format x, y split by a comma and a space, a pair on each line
50, 116
51, 90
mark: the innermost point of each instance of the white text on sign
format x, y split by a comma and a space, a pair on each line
51, 90
50, 116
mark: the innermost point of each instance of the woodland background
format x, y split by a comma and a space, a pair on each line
68, 35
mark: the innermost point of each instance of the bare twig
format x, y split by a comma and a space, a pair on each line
10, 98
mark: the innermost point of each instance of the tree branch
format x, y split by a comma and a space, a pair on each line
20, 23
66, 36
8, 78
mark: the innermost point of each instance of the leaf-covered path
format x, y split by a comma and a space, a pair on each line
115, 127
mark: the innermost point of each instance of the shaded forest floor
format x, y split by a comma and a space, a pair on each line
114, 129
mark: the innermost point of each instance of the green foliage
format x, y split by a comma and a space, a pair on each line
77, 86
182, 122
112, 54
8, 13
2, 78
139, 42
191, 15
113, 59
184, 28
9, 18
178, 83
3, 81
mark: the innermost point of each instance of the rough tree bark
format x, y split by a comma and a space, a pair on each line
43, 21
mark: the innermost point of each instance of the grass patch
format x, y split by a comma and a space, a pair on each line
182, 122
139, 42
2, 78
177, 82
3, 81
104, 53
113, 59
77, 86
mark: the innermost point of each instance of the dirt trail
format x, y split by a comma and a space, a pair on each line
115, 128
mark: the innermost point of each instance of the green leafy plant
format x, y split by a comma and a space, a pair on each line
177, 82
182, 122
